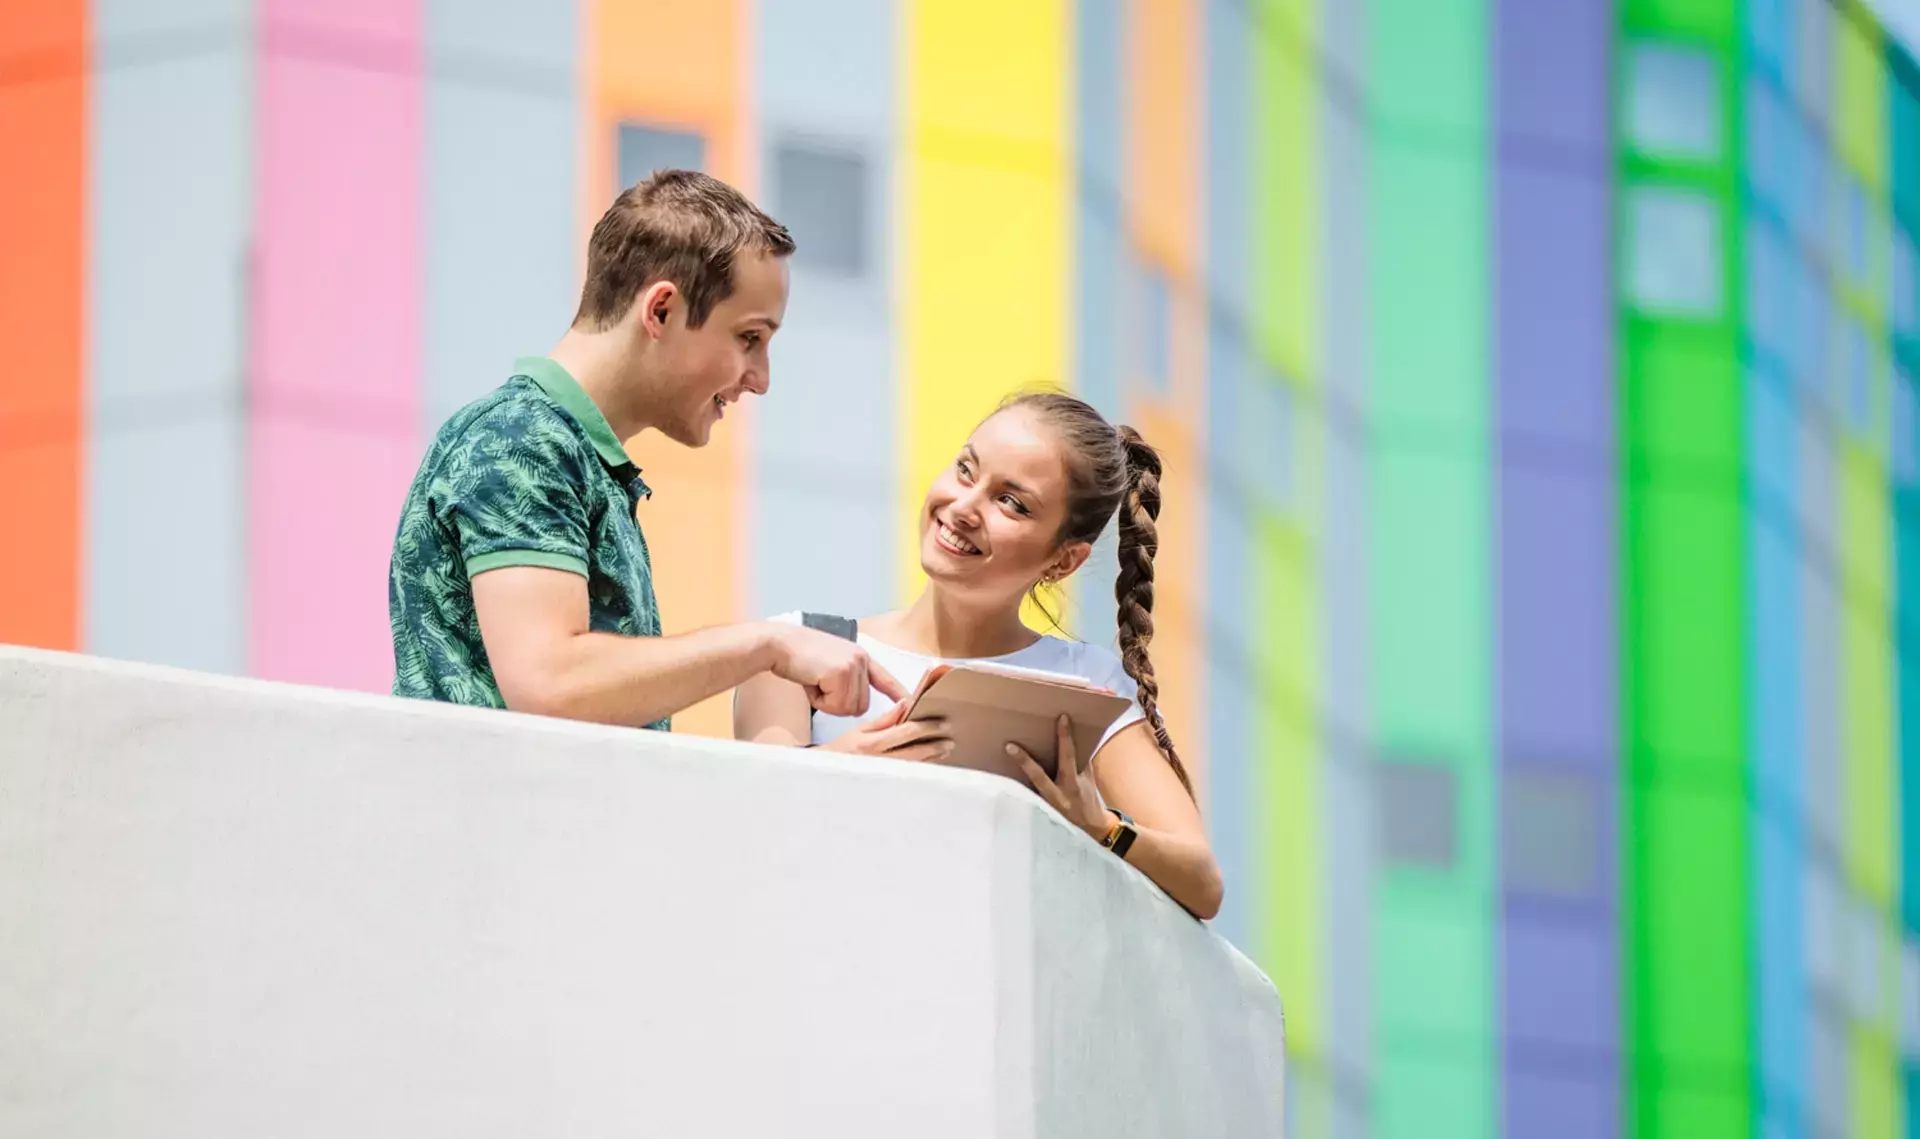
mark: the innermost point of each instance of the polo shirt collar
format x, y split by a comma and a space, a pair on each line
566, 391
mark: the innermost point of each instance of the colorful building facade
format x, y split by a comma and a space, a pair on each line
1542, 544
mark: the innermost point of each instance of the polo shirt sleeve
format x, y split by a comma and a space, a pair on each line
514, 493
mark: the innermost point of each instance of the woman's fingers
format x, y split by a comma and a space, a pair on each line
890, 717
1037, 776
929, 751
1067, 768
915, 731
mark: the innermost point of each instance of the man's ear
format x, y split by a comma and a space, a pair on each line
656, 307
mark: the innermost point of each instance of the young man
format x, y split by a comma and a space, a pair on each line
520, 577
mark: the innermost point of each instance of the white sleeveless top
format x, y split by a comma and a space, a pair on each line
1099, 665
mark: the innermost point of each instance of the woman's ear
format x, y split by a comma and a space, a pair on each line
1073, 555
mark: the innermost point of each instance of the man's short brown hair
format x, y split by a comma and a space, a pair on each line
681, 226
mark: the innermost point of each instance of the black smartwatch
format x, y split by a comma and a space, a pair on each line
1120, 838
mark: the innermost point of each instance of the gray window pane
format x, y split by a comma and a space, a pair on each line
1865, 962
1814, 310
1824, 966
1857, 225
1266, 444
1767, 21
1769, 161
1904, 430
1674, 251
1416, 813
1769, 279
1910, 999
1551, 828
1673, 102
1832, 1075
1813, 221
1858, 376
645, 149
1902, 300
1814, 45
821, 196
1157, 328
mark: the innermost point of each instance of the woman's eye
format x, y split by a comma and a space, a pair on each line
1014, 503
750, 339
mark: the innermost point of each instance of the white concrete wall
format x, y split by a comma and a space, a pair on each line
230, 908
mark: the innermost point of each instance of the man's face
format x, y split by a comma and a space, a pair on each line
710, 367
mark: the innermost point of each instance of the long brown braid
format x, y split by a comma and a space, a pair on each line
1112, 469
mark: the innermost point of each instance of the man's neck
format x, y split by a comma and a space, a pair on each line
599, 363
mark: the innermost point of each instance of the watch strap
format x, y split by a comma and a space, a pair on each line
1120, 838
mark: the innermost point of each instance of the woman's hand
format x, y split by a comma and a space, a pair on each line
896, 737
1070, 791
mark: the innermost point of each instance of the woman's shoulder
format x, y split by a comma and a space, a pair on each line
1097, 663
799, 616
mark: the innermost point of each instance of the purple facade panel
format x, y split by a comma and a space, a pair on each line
1556, 507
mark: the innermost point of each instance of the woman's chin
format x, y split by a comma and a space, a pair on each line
940, 564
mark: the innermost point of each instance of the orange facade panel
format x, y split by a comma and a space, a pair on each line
680, 67
1167, 130
42, 246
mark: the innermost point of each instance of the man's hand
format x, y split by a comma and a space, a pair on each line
837, 675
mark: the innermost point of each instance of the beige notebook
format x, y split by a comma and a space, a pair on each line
988, 706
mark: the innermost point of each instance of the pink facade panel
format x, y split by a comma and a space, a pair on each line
336, 360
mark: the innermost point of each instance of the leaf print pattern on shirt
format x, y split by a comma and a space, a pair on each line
511, 478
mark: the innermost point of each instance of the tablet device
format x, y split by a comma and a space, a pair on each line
988, 706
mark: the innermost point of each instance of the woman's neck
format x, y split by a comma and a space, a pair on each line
940, 625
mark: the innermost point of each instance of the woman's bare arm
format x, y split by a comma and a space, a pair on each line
1171, 847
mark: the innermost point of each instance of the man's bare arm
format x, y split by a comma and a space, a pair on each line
549, 662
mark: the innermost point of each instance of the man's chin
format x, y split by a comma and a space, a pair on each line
694, 435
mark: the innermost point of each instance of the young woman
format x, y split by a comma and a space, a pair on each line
1021, 507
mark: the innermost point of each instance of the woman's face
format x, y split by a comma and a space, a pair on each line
993, 517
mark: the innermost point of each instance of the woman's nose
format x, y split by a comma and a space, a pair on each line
966, 508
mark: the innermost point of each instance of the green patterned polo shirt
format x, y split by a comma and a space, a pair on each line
528, 475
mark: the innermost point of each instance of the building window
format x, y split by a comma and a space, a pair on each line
1858, 376
1673, 252
1768, 143
1813, 42
645, 149
1812, 219
1814, 309
1901, 299
1825, 967
1551, 826
1767, 23
1864, 961
1156, 329
820, 194
1267, 449
1416, 814
1906, 462
1857, 225
1910, 999
1673, 102
1768, 280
